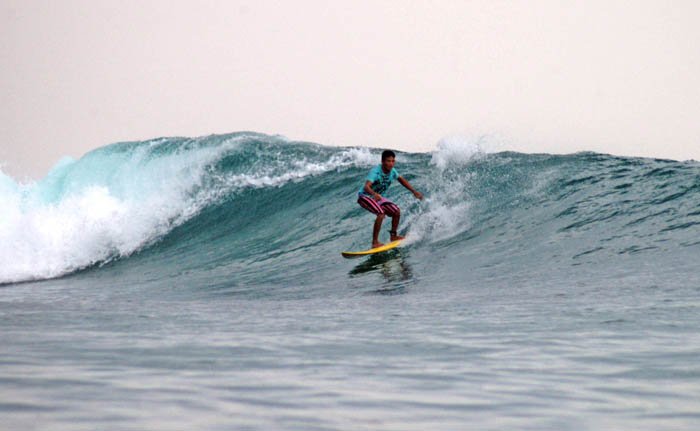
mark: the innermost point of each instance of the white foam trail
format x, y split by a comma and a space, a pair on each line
446, 209
438, 221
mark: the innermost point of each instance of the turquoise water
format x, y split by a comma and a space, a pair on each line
198, 284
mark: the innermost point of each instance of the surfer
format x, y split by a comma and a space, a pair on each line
370, 196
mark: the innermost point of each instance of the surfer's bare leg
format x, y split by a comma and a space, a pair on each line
395, 225
375, 232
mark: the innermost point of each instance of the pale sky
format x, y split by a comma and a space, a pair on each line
620, 77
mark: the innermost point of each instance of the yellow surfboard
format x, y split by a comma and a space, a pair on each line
385, 247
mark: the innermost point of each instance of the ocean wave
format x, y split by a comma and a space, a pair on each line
245, 198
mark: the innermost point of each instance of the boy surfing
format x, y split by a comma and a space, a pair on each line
370, 196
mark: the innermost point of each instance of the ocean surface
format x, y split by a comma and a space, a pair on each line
197, 284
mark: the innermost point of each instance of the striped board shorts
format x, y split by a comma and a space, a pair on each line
383, 206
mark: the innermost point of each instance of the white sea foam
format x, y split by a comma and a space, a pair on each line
281, 172
458, 149
102, 207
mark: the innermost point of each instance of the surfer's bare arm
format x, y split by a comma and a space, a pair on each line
405, 183
369, 191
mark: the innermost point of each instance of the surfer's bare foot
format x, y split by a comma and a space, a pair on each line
397, 237
377, 244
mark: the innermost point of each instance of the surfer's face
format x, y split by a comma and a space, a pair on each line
388, 164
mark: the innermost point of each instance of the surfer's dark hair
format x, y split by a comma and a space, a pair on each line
388, 153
